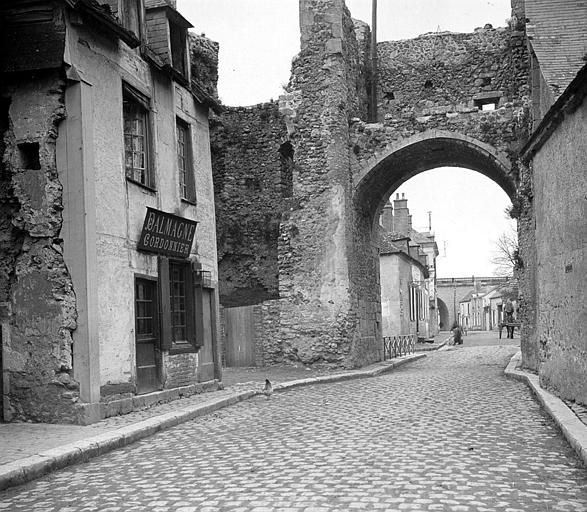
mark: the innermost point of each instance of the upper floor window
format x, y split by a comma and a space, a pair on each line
137, 163
167, 36
131, 16
187, 187
178, 36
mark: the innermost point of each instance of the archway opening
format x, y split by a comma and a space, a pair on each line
413, 251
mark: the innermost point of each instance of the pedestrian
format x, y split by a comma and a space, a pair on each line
509, 317
457, 334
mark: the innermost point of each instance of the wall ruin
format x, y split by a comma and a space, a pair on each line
432, 95
35, 286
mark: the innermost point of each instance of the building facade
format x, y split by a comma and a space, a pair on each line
110, 269
407, 274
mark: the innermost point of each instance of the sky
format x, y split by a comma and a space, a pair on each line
259, 38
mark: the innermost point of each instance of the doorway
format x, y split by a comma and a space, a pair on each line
147, 336
206, 354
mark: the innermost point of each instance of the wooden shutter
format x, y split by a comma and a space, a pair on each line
199, 314
190, 306
165, 303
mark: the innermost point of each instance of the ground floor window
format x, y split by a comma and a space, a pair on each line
180, 296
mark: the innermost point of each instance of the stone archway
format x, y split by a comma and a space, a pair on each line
380, 175
328, 304
443, 315
384, 172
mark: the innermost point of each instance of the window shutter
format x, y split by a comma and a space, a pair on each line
199, 315
165, 303
191, 320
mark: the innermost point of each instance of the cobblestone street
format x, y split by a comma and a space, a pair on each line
448, 432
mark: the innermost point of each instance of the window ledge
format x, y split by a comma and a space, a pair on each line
142, 185
191, 202
190, 349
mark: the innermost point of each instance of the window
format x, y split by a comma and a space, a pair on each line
487, 100
136, 136
179, 296
177, 37
131, 16
187, 187
146, 309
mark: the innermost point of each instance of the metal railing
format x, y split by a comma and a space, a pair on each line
397, 346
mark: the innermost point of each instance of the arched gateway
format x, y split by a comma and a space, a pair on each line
444, 99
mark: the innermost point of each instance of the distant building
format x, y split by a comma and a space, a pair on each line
108, 275
407, 273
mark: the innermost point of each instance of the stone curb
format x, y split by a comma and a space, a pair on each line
574, 430
30, 468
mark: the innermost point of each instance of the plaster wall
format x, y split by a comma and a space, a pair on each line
120, 205
560, 186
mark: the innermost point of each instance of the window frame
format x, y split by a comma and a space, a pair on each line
178, 38
142, 104
127, 9
187, 188
156, 335
192, 343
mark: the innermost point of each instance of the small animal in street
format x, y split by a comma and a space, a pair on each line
268, 389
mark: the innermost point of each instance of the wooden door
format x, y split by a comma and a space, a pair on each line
240, 337
147, 336
206, 353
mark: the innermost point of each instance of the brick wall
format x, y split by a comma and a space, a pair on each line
180, 370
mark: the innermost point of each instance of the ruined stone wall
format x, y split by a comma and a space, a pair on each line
35, 286
317, 313
252, 165
268, 338
440, 80
204, 63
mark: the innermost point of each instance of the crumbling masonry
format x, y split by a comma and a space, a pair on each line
321, 272
38, 312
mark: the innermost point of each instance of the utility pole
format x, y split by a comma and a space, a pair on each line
373, 92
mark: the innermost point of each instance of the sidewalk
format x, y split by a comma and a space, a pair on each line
571, 423
30, 450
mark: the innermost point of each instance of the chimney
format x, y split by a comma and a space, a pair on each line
387, 218
400, 217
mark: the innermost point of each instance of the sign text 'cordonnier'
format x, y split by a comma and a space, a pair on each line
167, 234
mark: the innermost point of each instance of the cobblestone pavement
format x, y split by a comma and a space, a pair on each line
448, 432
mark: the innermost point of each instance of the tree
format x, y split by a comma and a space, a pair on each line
506, 256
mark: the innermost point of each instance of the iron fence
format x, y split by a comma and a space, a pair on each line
397, 346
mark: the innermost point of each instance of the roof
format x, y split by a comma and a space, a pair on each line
468, 297
567, 103
557, 31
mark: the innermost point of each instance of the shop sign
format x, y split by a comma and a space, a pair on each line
168, 234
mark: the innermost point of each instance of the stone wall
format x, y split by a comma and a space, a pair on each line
180, 370
431, 93
252, 164
39, 314
560, 210
439, 81
204, 63
324, 318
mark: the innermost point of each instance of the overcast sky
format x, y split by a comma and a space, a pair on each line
258, 39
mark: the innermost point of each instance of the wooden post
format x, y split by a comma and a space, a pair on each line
373, 92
